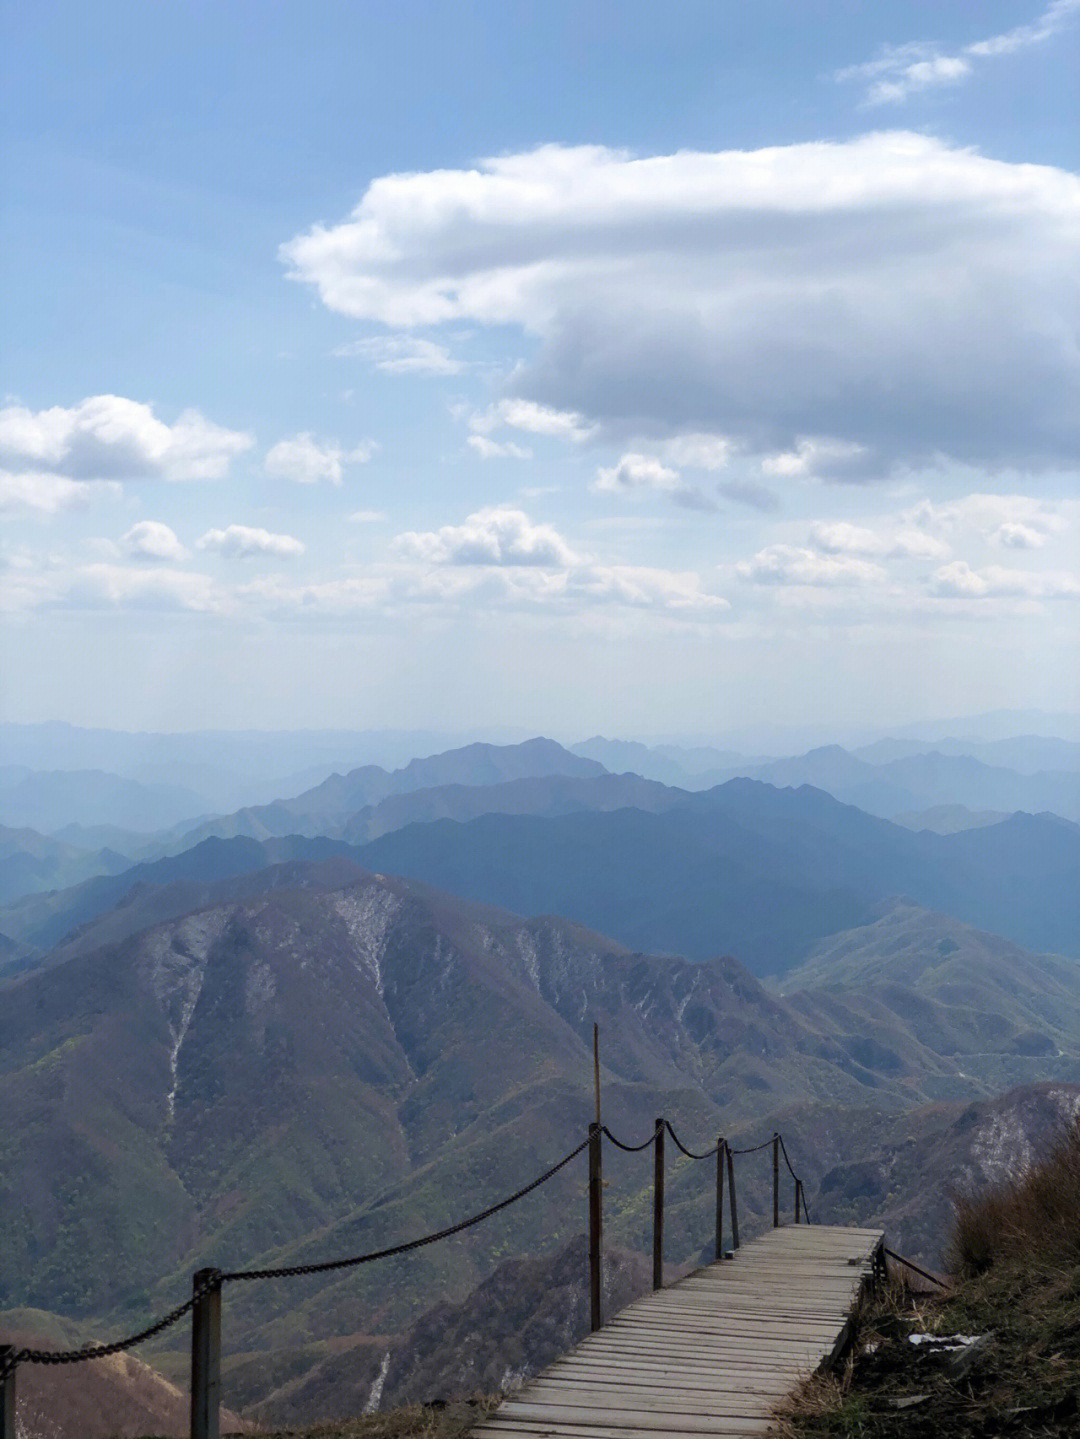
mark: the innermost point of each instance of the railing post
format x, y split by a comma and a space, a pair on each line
798, 1198
596, 1225
776, 1181
720, 1147
658, 1208
206, 1355
731, 1196
7, 1395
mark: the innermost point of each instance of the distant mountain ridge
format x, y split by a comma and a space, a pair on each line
746, 868
750, 869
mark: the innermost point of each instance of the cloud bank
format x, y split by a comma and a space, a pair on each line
847, 308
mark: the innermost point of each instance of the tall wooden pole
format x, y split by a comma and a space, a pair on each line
596, 1226
7, 1395
720, 1147
776, 1181
596, 1068
658, 1208
731, 1197
206, 1356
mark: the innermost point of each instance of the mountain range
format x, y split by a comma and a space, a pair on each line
320, 1060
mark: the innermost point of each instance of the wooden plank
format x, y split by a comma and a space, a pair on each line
731, 1402
710, 1355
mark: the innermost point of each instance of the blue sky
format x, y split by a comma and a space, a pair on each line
625, 367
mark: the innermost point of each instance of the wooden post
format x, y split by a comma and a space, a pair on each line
206, 1355
731, 1196
798, 1198
596, 1225
596, 1068
720, 1146
658, 1208
776, 1181
7, 1395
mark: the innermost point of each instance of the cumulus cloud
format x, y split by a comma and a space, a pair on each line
904, 70
495, 535
306, 460
636, 475
32, 492
892, 297
489, 449
367, 517
536, 419
151, 540
842, 538
239, 542
790, 565
404, 355
958, 580
1011, 521
108, 437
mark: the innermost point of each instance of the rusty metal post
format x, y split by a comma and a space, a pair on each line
7, 1394
206, 1355
776, 1181
596, 1226
720, 1147
731, 1196
658, 1208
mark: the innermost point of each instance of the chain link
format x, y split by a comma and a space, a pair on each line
291, 1270
631, 1148
103, 1351
690, 1153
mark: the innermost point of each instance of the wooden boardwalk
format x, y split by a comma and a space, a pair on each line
712, 1354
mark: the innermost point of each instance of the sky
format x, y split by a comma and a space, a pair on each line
630, 368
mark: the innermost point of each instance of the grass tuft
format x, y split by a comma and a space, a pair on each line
1035, 1216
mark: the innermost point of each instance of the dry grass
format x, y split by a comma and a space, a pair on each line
1016, 1253
1037, 1215
414, 1421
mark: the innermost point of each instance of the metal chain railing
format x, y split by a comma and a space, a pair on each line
204, 1305
15, 1357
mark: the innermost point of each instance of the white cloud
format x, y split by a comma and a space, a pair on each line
151, 540
636, 473
496, 535
306, 460
367, 517
697, 451
842, 538
32, 492
887, 300
108, 437
243, 541
645, 587
123, 587
1011, 521
790, 565
959, 580
904, 70
496, 450
404, 355
534, 419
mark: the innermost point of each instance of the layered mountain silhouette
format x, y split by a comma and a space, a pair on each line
746, 868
